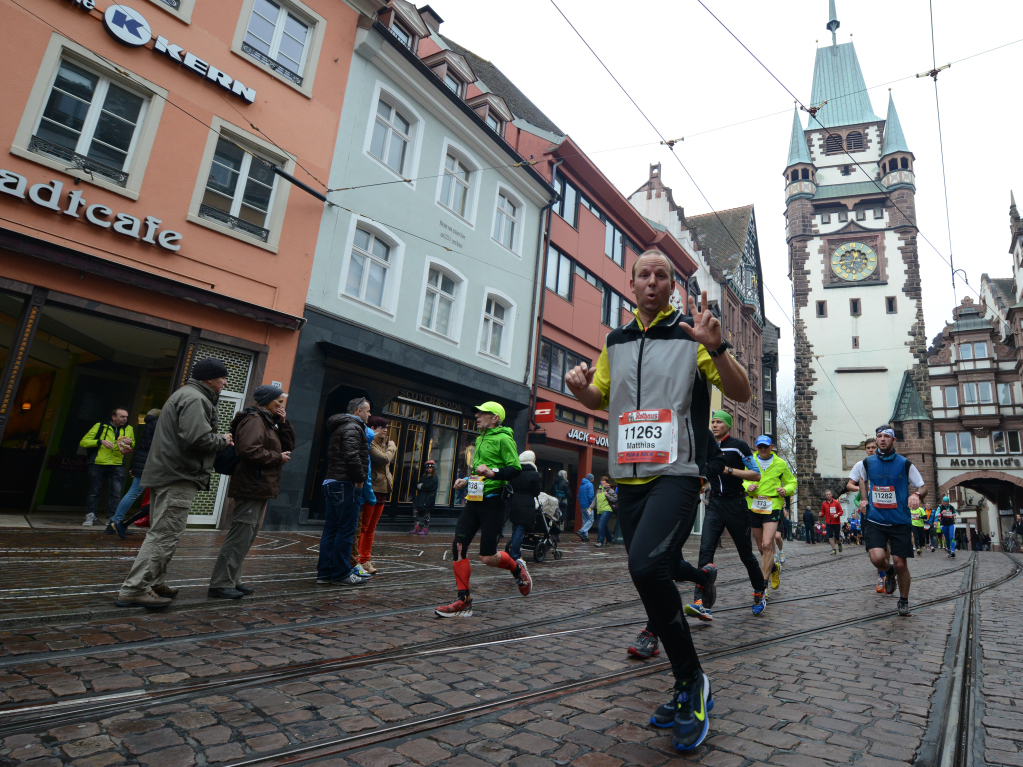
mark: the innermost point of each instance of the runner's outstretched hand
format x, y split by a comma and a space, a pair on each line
706, 328
579, 377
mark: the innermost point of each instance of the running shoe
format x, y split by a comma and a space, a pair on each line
89, 520
903, 607
839, 547
698, 610
880, 583
775, 576
759, 601
691, 721
710, 594
414, 530
664, 716
919, 550
645, 646
953, 555
782, 558
363, 572
833, 552
460, 608
889, 580
424, 531
524, 581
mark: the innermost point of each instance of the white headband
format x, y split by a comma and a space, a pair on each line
889, 432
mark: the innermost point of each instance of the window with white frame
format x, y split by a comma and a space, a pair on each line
439, 302
89, 120
951, 396
1003, 442
768, 422
277, 37
368, 268
506, 220
986, 394
969, 394
959, 443
492, 337
392, 135
1004, 394
494, 124
559, 273
455, 188
453, 83
239, 190
979, 350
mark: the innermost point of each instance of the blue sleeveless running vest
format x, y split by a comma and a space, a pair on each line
886, 476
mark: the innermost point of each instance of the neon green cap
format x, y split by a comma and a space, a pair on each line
492, 407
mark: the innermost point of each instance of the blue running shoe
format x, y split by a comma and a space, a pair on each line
697, 610
759, 601
691, 714
664, 716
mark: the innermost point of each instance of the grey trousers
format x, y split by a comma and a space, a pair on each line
245, 517
168, 517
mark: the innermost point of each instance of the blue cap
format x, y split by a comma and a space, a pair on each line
763, 439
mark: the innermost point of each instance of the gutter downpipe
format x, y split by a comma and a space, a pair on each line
534, 350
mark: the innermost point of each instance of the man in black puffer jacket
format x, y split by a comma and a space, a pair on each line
347, 471
138, 463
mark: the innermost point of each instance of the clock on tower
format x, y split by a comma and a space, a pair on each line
853, 261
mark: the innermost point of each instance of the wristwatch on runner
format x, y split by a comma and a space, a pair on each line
725, 346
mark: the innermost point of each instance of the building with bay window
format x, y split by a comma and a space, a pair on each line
424, 279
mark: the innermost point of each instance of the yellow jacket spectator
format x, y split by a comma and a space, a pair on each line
107, 443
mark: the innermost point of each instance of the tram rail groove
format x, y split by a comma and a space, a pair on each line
17, 660
75, 709
299, 754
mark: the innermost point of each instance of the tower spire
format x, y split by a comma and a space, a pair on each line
797, 143
894, 139
833, 22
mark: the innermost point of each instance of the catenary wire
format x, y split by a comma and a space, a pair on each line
941, 146
671, 147
812, 111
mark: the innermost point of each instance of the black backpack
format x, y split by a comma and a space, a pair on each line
227, 460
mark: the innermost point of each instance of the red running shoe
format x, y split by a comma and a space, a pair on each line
460, 608
645, 646
524, 581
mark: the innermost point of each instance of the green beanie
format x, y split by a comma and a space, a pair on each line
721, 415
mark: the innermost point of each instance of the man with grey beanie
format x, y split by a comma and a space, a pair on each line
263, 441
179, 465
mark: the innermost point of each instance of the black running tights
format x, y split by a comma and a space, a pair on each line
730, 513
657, 518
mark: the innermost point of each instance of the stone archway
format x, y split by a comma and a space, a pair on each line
960, 479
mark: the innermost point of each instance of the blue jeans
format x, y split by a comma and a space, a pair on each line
605, 517
587, 523
342, 502
114, 478
134, 491
515, 545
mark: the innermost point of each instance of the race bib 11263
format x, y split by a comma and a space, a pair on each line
647, 436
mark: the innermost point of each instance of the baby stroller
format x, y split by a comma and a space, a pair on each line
546, 529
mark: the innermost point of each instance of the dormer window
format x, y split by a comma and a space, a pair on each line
404, 37
493, 110
494, 124
453, 84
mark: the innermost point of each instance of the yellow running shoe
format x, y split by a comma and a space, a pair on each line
776, 576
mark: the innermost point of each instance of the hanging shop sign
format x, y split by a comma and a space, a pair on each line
583, 436
49, 196
544, 412
129, 27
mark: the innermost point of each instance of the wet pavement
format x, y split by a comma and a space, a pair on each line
306, 674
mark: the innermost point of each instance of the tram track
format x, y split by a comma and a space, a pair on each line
36, 716
299, 754
213, 636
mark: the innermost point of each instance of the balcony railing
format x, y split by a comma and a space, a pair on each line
233, 222
275, 65
75, 160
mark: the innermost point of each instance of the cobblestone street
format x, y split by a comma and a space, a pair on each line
305, 674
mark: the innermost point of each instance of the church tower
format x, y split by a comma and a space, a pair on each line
858, 312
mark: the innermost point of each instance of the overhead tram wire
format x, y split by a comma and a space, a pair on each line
671, 146
941, 145
812, 111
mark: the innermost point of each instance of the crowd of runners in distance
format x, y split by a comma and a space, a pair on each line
654, 376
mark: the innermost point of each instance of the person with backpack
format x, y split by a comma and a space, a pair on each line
526, 487
180, 463
586, 498
138, 463
263, 441
106, 444
424, 500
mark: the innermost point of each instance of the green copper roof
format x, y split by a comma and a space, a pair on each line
855, 189
838, 80
797, 144
908, 405
894, 139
